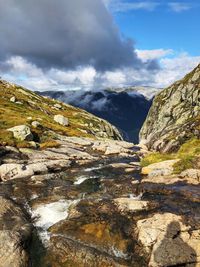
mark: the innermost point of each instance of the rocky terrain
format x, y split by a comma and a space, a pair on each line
76, 197
126, 108
174, 116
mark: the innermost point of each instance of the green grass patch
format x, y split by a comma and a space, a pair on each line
189, 154
155, 158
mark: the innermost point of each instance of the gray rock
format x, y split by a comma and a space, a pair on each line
13, 236
13, 99
61, 120
22, 132
57, 106
36, 124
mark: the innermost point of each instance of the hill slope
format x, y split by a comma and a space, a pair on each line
174, 117
19, 106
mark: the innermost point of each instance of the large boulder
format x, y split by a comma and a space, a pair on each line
22, 133
169, 241
61, 120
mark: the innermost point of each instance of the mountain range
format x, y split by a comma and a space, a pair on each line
126, 108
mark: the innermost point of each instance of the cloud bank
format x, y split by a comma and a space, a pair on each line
64, 34
64, 44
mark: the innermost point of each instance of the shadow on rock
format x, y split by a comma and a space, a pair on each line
172, 250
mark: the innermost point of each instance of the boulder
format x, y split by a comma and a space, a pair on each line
163, 168
169, 241
57, 106
35, 124
22, 133
61, 120
13, 99
13, 170
128, 204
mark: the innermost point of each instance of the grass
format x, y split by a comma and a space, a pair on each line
189, 155
39, 109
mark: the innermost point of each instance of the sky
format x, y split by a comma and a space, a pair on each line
95, 44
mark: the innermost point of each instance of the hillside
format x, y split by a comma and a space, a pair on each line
174, 117
19, 106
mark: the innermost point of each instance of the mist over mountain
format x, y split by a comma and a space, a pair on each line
126, 108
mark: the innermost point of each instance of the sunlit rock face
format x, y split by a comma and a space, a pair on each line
174, 115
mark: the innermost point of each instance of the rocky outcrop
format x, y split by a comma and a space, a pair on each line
173, 117
22, 132
61, 120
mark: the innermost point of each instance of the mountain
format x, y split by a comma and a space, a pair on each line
39, 118
174, 117
147, 91
124, 108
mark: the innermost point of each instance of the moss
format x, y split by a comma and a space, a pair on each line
155, 158
185, 163
188, 154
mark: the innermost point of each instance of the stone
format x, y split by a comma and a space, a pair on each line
168, 240
13, 99
191, 174
57, 106
22, 133
61, 120
163, 168
15, 232
128, 204
16, 171
36, 124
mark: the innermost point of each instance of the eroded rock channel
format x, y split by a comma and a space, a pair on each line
85, 203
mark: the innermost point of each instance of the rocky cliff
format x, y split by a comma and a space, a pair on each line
28, 119
174, 116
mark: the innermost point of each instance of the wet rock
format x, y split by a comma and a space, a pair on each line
128, 204
22, 132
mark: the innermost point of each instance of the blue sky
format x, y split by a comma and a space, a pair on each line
168, 25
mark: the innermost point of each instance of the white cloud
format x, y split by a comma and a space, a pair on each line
179, 7
173, 67
153, 54
121, 6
